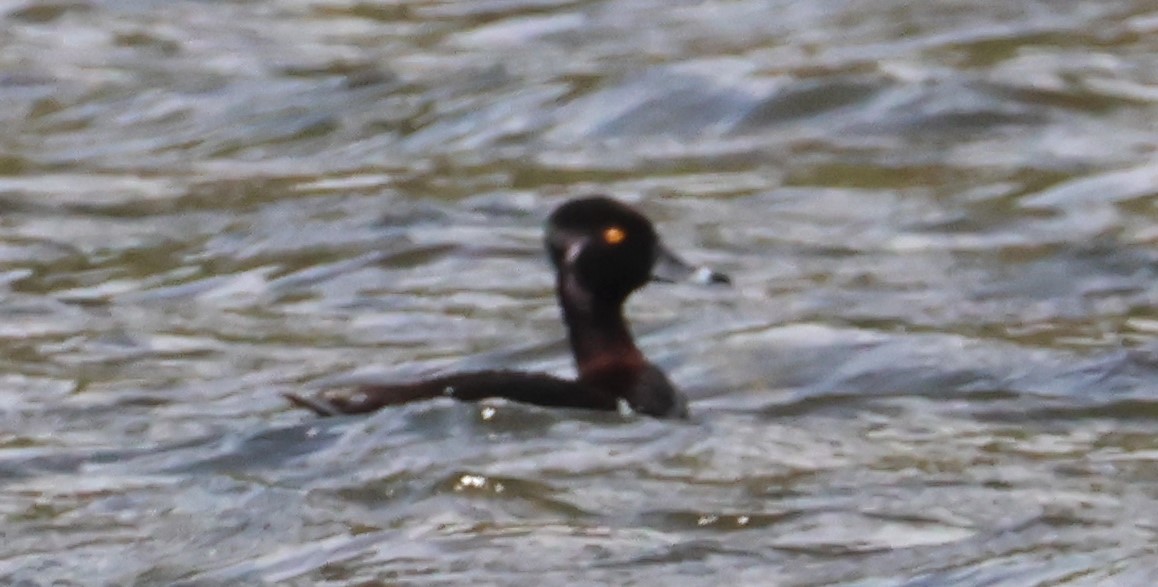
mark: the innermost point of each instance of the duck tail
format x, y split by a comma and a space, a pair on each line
319, 406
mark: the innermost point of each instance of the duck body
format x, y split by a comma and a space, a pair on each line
602, 251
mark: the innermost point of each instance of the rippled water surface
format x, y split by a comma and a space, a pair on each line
937, 365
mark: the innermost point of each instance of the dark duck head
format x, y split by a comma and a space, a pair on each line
602, 251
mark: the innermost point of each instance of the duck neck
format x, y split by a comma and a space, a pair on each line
600, 336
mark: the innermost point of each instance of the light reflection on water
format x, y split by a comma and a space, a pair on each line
935, 368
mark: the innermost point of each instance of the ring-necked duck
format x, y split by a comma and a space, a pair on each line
602, 251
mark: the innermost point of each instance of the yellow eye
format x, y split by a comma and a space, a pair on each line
614, 235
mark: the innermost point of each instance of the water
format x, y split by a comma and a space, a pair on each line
936, 367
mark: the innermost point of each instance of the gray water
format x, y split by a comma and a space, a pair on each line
937, 365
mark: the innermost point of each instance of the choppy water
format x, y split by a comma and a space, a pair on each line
937, 367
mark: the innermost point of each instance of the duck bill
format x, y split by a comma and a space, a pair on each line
670, 268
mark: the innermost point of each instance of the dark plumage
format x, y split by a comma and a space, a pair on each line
602, 251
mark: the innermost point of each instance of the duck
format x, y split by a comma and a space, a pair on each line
602, 251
